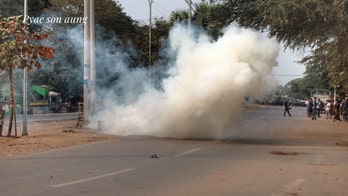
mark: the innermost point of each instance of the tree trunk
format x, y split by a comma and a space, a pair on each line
2, 120
12, 103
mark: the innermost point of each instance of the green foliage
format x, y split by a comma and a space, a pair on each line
13, 43
37, 7
178, 15
111, 16
19, 49
159, 31
16, 7
11, 8
210, 17
318, 25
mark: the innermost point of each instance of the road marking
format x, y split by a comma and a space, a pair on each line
188, 152
92, 178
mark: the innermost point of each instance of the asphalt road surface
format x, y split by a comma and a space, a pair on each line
47, 117
268, 155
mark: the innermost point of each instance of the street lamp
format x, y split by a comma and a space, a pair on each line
189, 3
86, 60
150, 25
25, 84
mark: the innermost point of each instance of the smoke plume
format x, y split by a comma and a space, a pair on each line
202, 93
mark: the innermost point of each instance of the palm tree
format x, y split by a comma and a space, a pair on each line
206, 16
178, 16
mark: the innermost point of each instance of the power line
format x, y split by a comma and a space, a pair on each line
144, 2
162, 8
155, 5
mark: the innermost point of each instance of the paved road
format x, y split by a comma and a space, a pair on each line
47, 117
268, 155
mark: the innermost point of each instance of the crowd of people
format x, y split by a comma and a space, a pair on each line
335, 110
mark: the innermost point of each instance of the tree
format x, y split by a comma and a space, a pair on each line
295, 23
209, 17
112, 24
15, 7
159, 32
318, 25
20, 49
178, 16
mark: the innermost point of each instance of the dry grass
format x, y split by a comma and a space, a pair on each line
45, 136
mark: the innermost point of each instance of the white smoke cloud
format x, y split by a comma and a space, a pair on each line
203, 95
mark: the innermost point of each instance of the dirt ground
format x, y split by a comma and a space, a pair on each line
45, 136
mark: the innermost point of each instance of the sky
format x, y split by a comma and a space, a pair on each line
286, 70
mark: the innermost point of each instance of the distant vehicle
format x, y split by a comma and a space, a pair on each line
46, 100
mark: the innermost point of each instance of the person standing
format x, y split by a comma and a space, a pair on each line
314, 109
337, 106
345, 109
328, 110
287, 107
319, 107
307, 106
310, 105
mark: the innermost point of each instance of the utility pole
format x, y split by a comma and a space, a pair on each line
190, 13
25, 84
92, 100
150, 26
86, 60
89, 84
